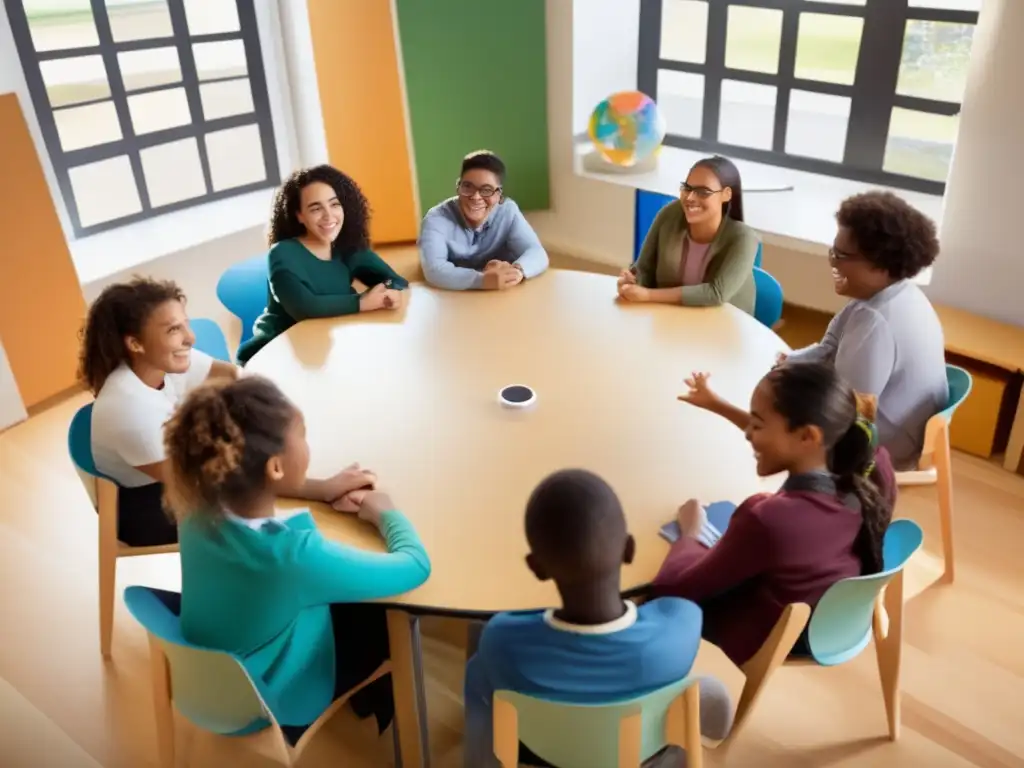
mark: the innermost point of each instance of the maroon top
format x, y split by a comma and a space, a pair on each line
785, 548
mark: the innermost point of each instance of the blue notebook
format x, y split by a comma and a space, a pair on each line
719, 514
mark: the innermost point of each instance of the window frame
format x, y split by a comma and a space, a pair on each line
872, 95
131, 144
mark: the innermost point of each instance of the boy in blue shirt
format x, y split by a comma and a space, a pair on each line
596, 647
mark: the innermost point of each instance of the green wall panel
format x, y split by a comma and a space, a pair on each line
476, 78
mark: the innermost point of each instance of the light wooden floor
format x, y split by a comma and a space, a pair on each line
963, 674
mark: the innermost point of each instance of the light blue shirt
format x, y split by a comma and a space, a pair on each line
535, 653
890, 346
453, 255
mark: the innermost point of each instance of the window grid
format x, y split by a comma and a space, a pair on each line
131, 144
872, 96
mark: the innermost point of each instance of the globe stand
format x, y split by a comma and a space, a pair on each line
593, 162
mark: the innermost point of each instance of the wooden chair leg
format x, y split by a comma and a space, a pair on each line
631, 735
160, 672
403, 680
889, 653
944, 478
694, 747
771, 656
506, 733
107, 507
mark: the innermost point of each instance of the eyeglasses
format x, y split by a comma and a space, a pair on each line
468, 189
702, 192
835, 255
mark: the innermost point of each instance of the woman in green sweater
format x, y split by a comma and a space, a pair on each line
319, 241
698, 251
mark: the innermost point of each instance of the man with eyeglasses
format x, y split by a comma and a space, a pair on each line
479, 239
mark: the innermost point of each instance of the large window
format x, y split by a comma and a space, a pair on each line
146, 106
862, 89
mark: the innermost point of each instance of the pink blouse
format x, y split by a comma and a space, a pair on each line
693, 263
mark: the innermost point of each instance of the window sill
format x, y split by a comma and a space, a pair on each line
801, 218
100, 256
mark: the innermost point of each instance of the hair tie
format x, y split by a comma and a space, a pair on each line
868, 428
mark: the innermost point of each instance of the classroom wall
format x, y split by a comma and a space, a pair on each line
362, 102
981, 268
475, 78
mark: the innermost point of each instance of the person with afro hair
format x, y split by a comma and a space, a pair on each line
319, 242
887, 341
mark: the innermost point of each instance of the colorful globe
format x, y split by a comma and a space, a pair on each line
627, 128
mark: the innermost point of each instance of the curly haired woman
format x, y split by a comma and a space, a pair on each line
137, 358
270, 588
887, 341
319, 242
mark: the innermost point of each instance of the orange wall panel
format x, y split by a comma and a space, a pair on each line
41, 306
363, 104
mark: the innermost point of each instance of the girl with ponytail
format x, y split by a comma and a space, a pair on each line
270, 588
825, 524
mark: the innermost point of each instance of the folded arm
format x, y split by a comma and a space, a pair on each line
526, 247
332, 573
437, 269
370, 269
301, 303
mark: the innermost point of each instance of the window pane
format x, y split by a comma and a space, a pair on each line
681, 100
173, 172
748, 114
149, 67
159, 110
208, 17
104, 190
80, 127
839, 2
72, 81
949, 5
226, 98
827, 47
236, 157
753, 39
817, 125
920, 144
222, 59
935, 56
684, 30
139, 19
55, 26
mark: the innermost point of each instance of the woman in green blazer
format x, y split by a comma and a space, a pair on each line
698, 252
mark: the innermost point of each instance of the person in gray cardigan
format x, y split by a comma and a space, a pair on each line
479, 239
698, 252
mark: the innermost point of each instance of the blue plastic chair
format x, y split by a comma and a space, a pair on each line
620, 734
936, 463
842, 625
210, 339
102, 492
768, 301
210, 688
242, 289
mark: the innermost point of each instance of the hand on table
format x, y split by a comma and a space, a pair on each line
351, 478
634, 293
626, 277
367, 503
499, 275
691, 517
393, 299
378, 297
699, 394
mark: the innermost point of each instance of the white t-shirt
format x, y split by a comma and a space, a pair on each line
128, 419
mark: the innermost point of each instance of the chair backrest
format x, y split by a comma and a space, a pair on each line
210, 339
587, 735
242, 289
768, 301
648, 204
960, 383
840, 627
759, 256
210, 688
80, 448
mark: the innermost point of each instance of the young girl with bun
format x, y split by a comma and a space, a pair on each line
825, 524
271, 588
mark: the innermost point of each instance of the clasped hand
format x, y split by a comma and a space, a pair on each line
380, 297
499, 275
354, 490
630, 290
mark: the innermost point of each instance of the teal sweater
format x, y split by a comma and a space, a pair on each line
264, 595
301, 287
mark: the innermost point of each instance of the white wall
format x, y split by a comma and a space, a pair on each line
981, 267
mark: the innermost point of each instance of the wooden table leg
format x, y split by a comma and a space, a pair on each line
408, 696
1015, 447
